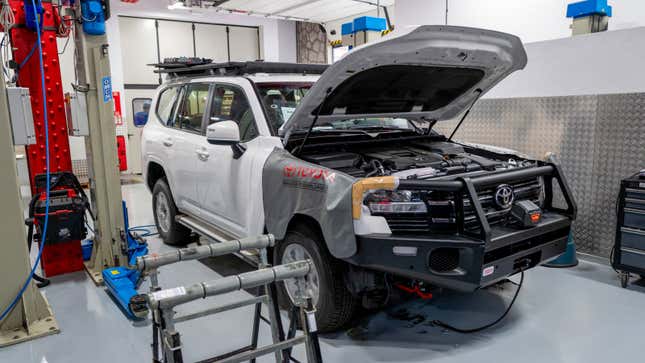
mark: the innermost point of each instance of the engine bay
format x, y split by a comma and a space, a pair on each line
413, 160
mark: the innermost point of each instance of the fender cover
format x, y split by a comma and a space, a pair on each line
292, 186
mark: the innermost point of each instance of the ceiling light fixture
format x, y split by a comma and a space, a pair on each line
179, 5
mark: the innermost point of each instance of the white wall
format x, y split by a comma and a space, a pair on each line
277, 39
600, 63
531, 20
335, 25
558, 64
287, 41
269, 28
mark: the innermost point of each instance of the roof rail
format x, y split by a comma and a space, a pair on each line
176, 67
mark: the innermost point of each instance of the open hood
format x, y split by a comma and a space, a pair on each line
428, 72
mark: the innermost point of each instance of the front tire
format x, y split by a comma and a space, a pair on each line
335, 305
165, 211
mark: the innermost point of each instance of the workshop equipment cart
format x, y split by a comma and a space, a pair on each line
628, 254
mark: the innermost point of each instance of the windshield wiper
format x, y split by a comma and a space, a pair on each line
385, 128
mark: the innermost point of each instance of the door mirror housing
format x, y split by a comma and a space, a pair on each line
223, 133
226, 133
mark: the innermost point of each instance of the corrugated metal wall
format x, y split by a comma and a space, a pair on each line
600, 139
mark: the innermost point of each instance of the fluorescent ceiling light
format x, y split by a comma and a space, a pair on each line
178, 6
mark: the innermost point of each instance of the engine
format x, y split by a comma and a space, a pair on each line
412, 161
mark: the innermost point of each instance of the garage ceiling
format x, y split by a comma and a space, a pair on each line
316, 11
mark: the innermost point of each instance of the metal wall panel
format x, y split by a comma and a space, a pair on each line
244, 43
175, 39
211, 42
619, 152
596, 138
138, 49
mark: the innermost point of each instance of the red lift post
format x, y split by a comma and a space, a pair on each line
59, 257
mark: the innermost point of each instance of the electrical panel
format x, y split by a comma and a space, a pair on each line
22, 120
76, 110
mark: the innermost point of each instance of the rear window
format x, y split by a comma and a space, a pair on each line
166, 104
400, 88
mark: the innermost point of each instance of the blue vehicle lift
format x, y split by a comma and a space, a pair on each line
122, 282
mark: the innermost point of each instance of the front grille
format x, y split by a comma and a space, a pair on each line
523, 190
442, 207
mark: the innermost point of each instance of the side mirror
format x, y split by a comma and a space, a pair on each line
226, 133
223, 133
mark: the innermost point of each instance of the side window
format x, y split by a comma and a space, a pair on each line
166, 104
192, 107
230, 103
140, 110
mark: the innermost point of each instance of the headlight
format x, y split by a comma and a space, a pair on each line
361, 188
392, 202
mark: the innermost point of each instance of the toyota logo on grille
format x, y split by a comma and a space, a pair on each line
504, 196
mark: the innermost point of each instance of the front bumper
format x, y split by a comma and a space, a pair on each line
479, 263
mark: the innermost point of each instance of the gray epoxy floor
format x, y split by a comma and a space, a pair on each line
561, 315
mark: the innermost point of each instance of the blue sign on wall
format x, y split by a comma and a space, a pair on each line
107, 89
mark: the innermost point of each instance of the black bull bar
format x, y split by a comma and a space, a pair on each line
468, 186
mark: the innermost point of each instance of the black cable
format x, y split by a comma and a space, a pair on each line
475, 330
613, 248
42, 282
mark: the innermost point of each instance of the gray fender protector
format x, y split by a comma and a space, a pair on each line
292, 186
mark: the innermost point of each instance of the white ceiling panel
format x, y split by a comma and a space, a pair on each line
317, 11
330, 10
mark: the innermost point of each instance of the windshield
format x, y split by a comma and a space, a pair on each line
281, 99
372, 123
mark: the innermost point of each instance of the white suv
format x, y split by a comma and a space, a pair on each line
353, 176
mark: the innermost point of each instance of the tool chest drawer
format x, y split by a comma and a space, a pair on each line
632, 203
634, 218
629, 246
632, 257
633, 193
632, 238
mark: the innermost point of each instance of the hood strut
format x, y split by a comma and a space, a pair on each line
478, 90
299, 148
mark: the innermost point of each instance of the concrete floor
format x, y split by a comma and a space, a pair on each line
561, 315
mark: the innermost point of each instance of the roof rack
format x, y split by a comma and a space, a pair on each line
202, 67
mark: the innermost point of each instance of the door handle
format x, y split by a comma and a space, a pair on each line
168, 142
202, 154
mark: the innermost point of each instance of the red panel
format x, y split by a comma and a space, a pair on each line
29, 76
60, 258
118, 115
121, 153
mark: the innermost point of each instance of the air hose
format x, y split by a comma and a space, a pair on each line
15, 301
475, 330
